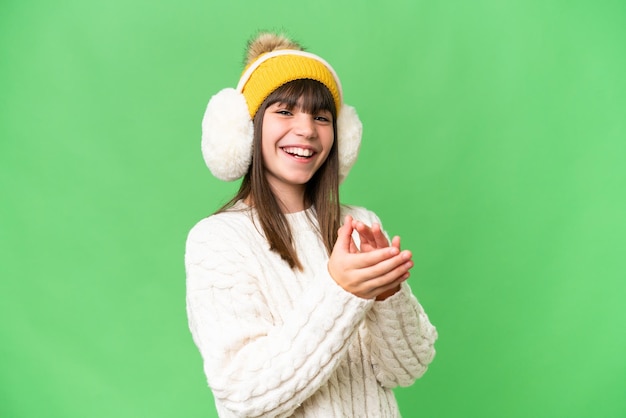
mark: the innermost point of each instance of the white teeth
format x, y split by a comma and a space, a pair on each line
300, 152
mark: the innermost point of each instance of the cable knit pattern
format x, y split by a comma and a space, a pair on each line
283, 343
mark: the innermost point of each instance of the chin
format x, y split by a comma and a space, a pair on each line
299, 179
300, 182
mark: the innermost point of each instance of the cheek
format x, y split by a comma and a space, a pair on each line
330, 138
266, 139
262, 153
265, 149
328, 141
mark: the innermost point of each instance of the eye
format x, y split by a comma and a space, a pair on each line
323, 118
283, 112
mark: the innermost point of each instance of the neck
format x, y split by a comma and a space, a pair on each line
289, 203
290, 200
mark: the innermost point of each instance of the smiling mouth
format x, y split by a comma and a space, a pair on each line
299, 152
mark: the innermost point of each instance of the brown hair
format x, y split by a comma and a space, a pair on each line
322, 191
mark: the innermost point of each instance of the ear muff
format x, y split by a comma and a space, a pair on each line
349, 132
227, 134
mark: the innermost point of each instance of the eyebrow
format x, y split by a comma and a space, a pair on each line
298, 105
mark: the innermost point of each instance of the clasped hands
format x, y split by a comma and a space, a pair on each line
373, 271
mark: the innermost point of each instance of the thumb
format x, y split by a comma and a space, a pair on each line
344, 236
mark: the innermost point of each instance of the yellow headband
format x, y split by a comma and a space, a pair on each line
276, 68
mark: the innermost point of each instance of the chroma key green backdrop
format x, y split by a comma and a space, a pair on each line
494, 144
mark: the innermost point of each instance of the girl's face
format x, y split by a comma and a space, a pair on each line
294, 145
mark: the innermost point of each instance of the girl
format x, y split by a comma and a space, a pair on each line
294, 313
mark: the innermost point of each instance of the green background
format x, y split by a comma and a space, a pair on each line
494, 144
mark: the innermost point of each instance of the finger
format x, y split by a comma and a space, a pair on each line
379, 236
391, 289
344, 236
391, 268
353, 248
383, 287
395, 242
349, 222
365, 234
375, 257
387, 289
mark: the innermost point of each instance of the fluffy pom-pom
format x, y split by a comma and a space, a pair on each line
227, 134
267, 42
349, 132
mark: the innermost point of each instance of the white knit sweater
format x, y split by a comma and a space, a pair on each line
280, 343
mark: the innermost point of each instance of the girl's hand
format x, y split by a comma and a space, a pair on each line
368, 274
373, 238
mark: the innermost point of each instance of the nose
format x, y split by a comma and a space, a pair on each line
304, 125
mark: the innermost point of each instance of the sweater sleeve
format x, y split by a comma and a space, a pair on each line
257, 366
400, 336
401, 339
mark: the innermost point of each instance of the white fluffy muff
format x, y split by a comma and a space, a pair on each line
349, 132
227, 134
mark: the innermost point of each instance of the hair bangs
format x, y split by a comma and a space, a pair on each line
310, 96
